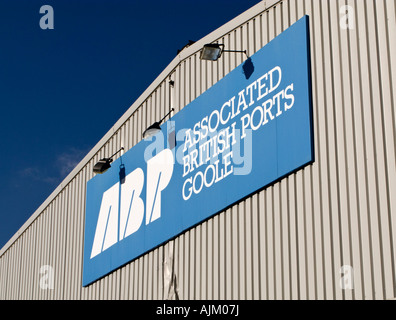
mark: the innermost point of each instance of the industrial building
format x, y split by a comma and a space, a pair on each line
316, 219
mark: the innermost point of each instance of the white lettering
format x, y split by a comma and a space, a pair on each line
131, 205
106, 228
242, 100
159, 174
347, 20
262, 86
271, 73
267, 111
346, 281
289, 96
122, 209
221, 113
186, 197
47, 21
47, 278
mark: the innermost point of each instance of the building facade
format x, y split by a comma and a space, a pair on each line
326, 231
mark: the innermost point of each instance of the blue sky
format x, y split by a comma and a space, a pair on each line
61, 90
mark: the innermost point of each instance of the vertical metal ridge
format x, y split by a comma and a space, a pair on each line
388, 141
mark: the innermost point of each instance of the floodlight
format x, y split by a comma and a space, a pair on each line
213, 51
152, 130
103, 164
155, 127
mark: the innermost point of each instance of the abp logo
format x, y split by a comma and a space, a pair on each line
122, 208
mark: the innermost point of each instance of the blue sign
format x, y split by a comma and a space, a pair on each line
247, 131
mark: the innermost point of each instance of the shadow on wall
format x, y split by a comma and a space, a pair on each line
248, 68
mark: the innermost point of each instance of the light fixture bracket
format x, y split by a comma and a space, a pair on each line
104, 164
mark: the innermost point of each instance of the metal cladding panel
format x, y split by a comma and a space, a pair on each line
288, 241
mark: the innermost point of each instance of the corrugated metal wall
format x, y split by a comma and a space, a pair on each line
288, 241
